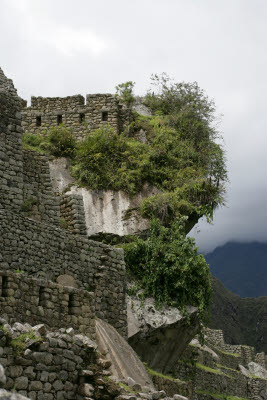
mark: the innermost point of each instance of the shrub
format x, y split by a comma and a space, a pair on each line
105, 160
62, 141
168, 267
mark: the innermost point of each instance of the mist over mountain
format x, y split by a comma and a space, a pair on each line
241, 267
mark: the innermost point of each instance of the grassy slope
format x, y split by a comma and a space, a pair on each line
243, 320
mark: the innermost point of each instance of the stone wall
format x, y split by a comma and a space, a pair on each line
216, 338
46, 251
72, 216
74, 113
39, 200
36, 301
173, 386
35, 244
11, 176
50, 369
212, 380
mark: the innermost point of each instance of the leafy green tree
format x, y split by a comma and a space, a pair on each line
124, 92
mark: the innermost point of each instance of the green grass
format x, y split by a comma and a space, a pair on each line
230, 369
39, 143
127, 388
155, 373
227, 353
209, 369
221, 396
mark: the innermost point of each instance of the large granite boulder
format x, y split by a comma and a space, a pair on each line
159, 336
258, 370
124, 362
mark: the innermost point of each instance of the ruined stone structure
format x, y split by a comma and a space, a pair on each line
31, 239
74, 113
35, 301
220, 369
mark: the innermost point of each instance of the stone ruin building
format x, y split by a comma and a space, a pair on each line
75, 113
59, 290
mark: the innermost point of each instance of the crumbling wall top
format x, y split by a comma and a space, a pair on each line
53, 103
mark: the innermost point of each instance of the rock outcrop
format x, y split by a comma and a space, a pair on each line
159, 336
124, 362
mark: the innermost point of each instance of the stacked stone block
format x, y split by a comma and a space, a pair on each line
11, 176
72, 214
39, 200
34, 301
50, 369
41, 248
46, 251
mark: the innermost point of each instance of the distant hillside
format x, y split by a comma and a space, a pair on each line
243, 321
242, 267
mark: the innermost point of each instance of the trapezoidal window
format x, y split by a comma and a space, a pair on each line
104, 115
82, 118
38, 120
59, 119
71, 304
4, 286
42, 296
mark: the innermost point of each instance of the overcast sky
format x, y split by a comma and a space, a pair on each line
66, 47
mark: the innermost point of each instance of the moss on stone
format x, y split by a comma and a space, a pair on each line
19, 344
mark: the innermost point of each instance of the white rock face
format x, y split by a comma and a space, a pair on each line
60, 176
105, 211
258, 370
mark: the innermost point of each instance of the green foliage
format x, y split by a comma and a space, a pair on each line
124, 92
169, 268
64, 224
170, 98
36, 142
59, 141
62, 141
28, 204
105, 160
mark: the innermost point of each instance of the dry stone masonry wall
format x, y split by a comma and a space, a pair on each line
48, 367
11, 159
37, 301
213, 370
46, 251
39, 199
31, 239
74, 113
72, 213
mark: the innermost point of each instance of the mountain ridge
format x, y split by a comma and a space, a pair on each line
241, 267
